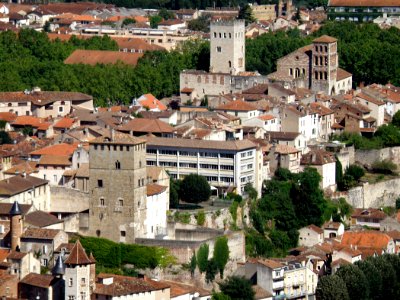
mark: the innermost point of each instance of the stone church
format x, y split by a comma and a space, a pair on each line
227, 65
314, 67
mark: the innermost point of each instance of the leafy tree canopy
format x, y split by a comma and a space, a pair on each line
194, 189
237, 288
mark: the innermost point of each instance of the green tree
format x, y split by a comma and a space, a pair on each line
173, 193
398, 203
194, 189
154, 21
5, 138
355, 280
246, 13
396, 119
202, 23
220, 296
128, 21
355, 171
193, 264
389, 134
384, 166
332, 288
251, 191
388, 275
339, 172
211, 270
237, 288
221, 254
202, 257
166, 14
373, 277
27, 131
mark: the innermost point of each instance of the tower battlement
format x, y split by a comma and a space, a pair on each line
227, 22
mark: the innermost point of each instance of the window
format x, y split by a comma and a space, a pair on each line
60, 109
102, 203
99, 183
71, 297
121, 202
70, 282
219, 49
55, 178
45, 262
83, 280
44, 249
117, 165
123, 233
83, 296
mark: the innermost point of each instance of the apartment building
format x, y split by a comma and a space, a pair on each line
300, 282
225, 164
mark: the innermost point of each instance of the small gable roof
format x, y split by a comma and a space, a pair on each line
78, 256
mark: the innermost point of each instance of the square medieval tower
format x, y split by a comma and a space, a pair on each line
117, 187
227, 47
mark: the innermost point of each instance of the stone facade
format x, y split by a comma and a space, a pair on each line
227, 46
227, 65
315, 66
117, 188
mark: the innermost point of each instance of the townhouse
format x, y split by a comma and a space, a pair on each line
300, 119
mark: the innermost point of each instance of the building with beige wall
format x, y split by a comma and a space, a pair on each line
264, 12
44, 104
225, 164
300, 282
26, 189
117, 187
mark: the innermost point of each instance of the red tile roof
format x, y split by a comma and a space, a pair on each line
151, 102
366, 239
372, 213
64, 123
38, 280
40, 233
317, 157
7, 116
342, 74
42, 97
266, 117
93, 57
325, 39
146, 126
237, 105
41, 219
315, 228
62, 149
154, 189
78, 256
54, 160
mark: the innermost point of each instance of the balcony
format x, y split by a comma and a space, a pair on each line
296, 295
279, 297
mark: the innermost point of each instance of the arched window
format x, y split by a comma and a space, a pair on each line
117, 165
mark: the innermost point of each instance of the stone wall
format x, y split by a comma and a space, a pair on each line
375, 195
67, 200
368, 157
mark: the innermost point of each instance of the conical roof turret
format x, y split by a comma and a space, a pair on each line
59, 267
15, 209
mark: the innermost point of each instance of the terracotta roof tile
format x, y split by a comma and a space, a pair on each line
18, 184
342, 74
136, 44
64, 123
317, 157
146, 126
124, 285
179, 289
27, 167
154, 189
93, 57
315, 228
370, 99
118, 138
42, 97
7, 116
372, 213
366, 239
285, 149
325, 39
40, 233
273, 264
54, 160
148, 100
41, 219
237, 105
320, 109
62, 149
331, 225
78, 256
266, 117
283, 135
16, 255
38, 280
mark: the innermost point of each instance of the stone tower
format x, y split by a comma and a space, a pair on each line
78, 284
16, 226
117, 187
324, 64
227, 47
